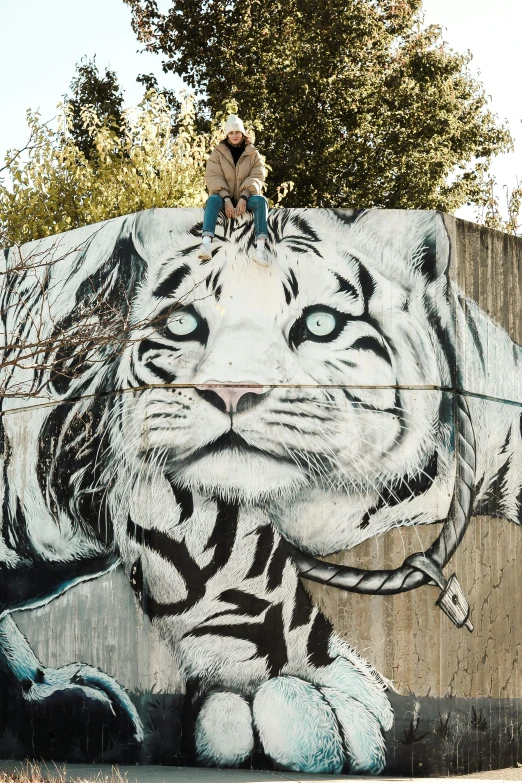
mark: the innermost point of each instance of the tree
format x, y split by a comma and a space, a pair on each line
358, 104
507, 219
62, 179
53, 185
102, 92
150, 82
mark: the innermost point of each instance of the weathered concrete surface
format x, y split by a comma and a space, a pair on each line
74, 773
408, 640
88, 615
487, 265
417, 648
459, 702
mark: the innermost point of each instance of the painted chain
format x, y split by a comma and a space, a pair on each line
420, 568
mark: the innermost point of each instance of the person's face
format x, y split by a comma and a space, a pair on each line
235, 137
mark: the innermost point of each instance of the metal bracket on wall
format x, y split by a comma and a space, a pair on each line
452, 600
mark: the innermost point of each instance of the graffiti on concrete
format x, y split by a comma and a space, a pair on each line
243, 423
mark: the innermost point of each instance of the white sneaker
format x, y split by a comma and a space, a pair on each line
205, 253
259, 255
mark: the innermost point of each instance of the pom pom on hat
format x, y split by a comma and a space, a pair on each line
234, 124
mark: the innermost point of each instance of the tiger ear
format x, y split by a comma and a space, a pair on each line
436, 251
408, 239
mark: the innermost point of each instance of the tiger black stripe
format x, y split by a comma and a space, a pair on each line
519, 496
175, 552
303, 608
409, 488
267, 635
371, 344
222, 539
6, 452
156, 609
169, 286
365, 521
494, 502
215, 280
367, 283
318, 641
196, 230
428, 265
17, 536
162, 374
185, 501
246, 604
303, 241
345, 287
403, 490
276, 566
62, 473
265, 542
519, 507
294, 285
189, 251
153, 345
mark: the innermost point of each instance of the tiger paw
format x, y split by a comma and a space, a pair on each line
329, 728
82, 685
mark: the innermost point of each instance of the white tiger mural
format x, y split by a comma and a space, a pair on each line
249, 421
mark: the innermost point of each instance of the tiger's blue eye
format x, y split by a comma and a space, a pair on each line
321, 324
182, 324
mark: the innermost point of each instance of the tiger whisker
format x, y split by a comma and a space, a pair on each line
375, 426
320, 468
385, 505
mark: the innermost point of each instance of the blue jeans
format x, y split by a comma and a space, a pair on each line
256, 204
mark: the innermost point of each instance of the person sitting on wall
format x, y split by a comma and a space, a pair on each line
235, 176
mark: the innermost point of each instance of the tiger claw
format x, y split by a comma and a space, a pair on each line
88, 682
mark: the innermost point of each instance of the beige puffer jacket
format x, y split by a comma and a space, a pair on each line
246, 178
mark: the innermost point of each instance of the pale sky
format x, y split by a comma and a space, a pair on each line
41, 41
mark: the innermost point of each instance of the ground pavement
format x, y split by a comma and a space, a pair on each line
67, 773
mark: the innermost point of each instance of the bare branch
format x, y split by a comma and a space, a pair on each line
45, 340
28, 147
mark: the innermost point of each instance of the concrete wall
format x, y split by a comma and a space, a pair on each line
372, 380
487, 266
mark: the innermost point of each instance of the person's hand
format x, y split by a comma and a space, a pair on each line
229, 208
240, 208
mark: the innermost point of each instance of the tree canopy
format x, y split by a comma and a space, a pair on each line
64, 179
356, 101
102, 91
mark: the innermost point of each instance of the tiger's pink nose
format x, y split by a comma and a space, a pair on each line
231, 397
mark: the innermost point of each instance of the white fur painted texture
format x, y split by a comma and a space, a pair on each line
243, 409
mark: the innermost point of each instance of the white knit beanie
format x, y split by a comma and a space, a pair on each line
234, 124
